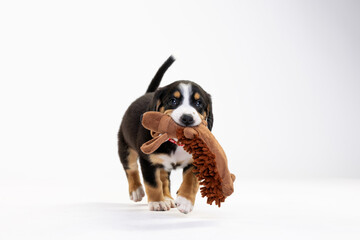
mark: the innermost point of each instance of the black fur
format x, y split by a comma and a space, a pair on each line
159, 74
132, 134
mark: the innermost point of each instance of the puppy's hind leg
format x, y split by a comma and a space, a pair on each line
128, 158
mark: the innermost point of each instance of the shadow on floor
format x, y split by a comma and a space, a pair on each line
130, 217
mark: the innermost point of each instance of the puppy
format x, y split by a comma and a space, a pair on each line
187, 104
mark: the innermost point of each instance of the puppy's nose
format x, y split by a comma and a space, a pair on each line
187, 119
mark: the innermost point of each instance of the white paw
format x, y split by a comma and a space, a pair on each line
170, 202
183, 205
159, 206
137, 195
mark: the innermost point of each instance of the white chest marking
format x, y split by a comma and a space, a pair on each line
179, 158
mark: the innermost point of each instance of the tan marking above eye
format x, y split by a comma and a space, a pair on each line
177, 94
196, 96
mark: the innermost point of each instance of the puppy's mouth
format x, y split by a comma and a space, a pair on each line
184, 119
184, 125
185, 122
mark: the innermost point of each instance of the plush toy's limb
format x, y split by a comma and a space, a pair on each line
128, 158
165, 179
190, 133
187, 192
153, 144
153, 186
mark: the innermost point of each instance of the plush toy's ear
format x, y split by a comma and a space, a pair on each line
156, 101
210, 117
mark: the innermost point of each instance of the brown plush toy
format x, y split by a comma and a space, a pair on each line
209, 158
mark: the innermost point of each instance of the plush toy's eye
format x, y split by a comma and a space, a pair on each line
173, 101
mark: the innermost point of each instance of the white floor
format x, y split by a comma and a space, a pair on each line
259, 209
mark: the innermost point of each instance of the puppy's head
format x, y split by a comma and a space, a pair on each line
187, 102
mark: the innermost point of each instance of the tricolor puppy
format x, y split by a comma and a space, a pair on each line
188, 104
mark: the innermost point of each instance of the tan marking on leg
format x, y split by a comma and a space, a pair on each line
162, 109
155, 194
155, 159
134, 180
177, 94
189, 186
164, 176
132, 159
133, 172
196, 96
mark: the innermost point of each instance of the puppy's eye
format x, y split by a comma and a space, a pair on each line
173, 102
198, 103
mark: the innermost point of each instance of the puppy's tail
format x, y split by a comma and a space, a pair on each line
159, 74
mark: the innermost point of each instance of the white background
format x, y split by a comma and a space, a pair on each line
285, 81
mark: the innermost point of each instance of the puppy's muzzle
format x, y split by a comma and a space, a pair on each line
187, 119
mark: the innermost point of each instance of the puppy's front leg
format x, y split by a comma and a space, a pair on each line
187, 192
153, 186
165, 179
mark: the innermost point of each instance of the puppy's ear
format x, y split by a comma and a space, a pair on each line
210, 117
156, 101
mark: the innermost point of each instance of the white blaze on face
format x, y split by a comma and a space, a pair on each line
185, 107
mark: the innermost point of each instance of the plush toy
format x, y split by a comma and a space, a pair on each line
209, 158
